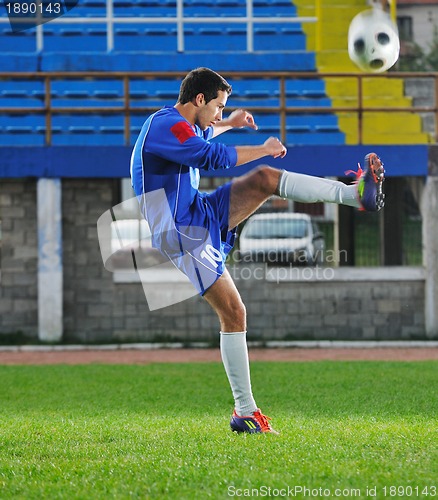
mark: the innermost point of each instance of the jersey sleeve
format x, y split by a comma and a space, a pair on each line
208, 134
176, 141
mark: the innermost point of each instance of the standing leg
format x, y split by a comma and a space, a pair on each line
226, 301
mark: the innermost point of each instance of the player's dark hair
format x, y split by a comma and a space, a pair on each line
202, 81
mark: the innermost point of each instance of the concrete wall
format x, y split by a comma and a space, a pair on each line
371, 304
335, 309
18, 266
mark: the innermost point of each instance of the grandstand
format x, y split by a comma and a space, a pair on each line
156, 36
74, 93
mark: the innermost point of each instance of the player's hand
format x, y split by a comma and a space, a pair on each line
241, 118
275, 148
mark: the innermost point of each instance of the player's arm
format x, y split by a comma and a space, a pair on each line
181, 145
237, 119
271, 147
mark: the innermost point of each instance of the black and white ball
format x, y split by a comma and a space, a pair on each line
373, 42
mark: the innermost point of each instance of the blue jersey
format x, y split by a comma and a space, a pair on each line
188, 227
169, 153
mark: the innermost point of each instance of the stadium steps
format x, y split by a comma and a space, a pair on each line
377, 127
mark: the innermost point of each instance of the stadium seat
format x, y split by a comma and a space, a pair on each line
313, 139
107, 94
12, 94
18, 93
73, 38
137, 38
23, 41
41, 94
20, 130
99, 92
42, 130
88, 129
297, 129
327, 128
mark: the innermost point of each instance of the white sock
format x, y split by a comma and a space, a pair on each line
309, 189
234, 353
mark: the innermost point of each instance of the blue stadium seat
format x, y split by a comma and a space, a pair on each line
19, 93
264, 8
297, 129
41, 94
152, 8
20, 130
86, 129
137, 38
98, 33
314, 93
42, 130
118, 130
291, 29
81, 129
243, 137
76, 94
23, 41
236, 8
313, 121
107, 94
327, 129
87, 93
324, 102
209, 38
313, 138
12, 94
298, 86
273, 37
74, 38
89, 8
24, 129
166, 94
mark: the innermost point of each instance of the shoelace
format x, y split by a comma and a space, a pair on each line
263, 421
357, 174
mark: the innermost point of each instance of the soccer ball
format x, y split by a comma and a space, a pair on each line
373, 42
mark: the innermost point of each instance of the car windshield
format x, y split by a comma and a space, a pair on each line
277, 228
128, 232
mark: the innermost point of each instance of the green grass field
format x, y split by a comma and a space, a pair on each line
161, 431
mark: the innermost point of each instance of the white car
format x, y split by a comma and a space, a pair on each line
281, 238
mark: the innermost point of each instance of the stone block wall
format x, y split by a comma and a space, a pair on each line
19, 252
335, 310
97, 309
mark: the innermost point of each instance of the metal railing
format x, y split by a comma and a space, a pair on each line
126, 109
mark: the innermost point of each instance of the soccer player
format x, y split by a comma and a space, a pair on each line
196, 230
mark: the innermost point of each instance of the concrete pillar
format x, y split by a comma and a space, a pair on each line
430, 254
50, 317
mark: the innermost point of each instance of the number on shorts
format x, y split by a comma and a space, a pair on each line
212, 255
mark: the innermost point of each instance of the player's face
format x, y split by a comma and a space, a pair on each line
211, 112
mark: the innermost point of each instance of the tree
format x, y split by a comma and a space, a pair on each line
414, 58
